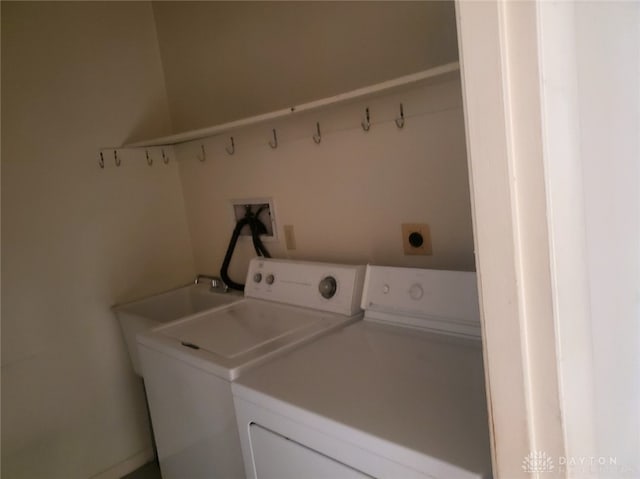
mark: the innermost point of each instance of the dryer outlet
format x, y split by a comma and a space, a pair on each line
416, 239
264, 207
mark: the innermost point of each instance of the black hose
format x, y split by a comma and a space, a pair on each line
257, 228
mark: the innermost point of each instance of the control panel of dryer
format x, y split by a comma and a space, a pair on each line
443, 301
327, 287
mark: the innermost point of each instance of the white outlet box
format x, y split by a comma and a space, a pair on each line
267, 215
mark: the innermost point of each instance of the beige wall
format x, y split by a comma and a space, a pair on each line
75, 238
229, 60
348, 196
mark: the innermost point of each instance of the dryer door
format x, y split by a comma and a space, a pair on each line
277, 457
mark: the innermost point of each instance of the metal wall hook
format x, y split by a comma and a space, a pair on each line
233, 147
366, 124
149, 159
101, 161
274, 144
317, 138
165, 157
115, 157
400, 121
202, 157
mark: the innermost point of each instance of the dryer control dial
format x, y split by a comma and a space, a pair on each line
328, 287
257, 277
415, 291
270, 279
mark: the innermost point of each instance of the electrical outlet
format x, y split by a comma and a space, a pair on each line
416, 239
289, 237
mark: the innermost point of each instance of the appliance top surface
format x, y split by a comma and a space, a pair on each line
243, 327
420, 390
286, 303
230, 340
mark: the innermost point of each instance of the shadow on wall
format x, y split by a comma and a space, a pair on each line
142, 125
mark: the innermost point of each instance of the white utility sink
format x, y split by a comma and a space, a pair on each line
162, 308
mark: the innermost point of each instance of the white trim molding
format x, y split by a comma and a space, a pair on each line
498, 56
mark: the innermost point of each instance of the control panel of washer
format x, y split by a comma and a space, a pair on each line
440, 300
324, 286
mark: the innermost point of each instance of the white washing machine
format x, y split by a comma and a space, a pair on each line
398, 395
188, 365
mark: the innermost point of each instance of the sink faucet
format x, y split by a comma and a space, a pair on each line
216, 282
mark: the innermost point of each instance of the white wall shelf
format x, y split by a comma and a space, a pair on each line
419, 78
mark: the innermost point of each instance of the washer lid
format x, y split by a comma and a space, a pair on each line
242, 327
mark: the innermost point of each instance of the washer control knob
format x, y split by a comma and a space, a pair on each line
386, 289
328, 287
270, 279
416, 292
257, 277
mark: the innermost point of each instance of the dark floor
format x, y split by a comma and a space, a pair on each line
148, 471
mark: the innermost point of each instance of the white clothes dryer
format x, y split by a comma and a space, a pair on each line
400, 394
188, 365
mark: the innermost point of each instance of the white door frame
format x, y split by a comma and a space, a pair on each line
515, 204
552, 112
